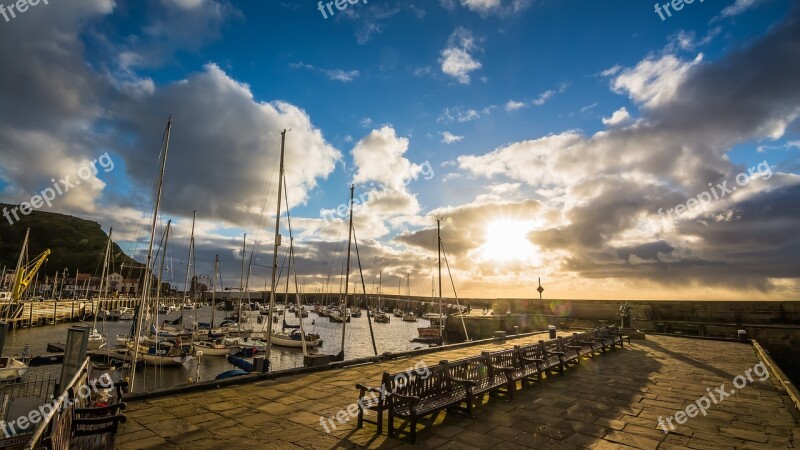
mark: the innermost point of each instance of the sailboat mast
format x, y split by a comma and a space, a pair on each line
188, 265
347, 271
275, 248
439, 251
146, 283
214, 291
103, 276
241, 279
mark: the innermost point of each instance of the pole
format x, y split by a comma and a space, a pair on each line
146, 282
188, 266
275, 248
347, 270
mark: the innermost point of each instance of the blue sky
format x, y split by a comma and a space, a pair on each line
563, 126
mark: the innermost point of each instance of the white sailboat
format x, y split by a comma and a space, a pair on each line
161, 353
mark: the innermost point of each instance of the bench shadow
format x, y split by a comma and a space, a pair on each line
577, 407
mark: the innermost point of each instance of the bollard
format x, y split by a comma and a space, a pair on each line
516, 329
742, 335
552, 329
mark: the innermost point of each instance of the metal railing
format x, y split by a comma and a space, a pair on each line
57, 422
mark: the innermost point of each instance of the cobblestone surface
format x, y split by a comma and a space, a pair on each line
609, 401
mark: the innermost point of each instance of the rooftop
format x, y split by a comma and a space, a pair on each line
611, 401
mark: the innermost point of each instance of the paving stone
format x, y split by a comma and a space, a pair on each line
612, 401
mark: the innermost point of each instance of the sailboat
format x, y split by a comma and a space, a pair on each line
155, 351
409, 316
161, 353
296, 338
96, 340
380, 316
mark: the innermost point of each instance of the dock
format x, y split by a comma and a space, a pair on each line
50, 312
614, 400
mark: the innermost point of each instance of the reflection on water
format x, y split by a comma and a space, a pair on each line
389, 337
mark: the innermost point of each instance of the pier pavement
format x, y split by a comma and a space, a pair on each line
613, 401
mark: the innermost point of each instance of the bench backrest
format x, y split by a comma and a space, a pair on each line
475, 368
422, 384
503, 358
532, 351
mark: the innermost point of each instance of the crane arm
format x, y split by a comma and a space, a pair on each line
24, 278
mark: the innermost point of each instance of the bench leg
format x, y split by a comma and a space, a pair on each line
380, 420
360, 422
391, 423
413, 429
469, 405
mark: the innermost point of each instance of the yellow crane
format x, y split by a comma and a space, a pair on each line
24, 276
25, 272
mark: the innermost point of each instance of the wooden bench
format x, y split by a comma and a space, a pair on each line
513, 368
582, 343
86, 428
376, 401
476, 376
420, 395
616, 335
570, 354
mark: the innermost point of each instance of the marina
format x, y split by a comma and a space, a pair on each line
453, 224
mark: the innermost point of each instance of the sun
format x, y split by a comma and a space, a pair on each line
506, 240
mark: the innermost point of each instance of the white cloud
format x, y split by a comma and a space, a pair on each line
588, 107
619, 117
653, 82
548, 94
345, 76
489, 7
739, 7
458, 114
456, 59
544, 97
450, 138
514, 105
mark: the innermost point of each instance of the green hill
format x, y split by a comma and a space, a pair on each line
76, 244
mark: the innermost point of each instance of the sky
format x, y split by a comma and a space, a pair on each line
614, 150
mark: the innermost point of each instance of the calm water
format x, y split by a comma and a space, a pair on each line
391, 337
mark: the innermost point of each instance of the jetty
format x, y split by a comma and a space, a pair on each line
50, 312
631, 397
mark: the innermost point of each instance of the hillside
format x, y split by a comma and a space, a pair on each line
76, 244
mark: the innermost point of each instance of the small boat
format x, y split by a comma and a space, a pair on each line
159, 354
11, 369
96, 341
126, 313
430, 315
409, 317
398, 313
355, 312
336, 316
214, 348
294, 338
382, 317
230, 374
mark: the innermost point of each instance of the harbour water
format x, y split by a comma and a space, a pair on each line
395, 336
